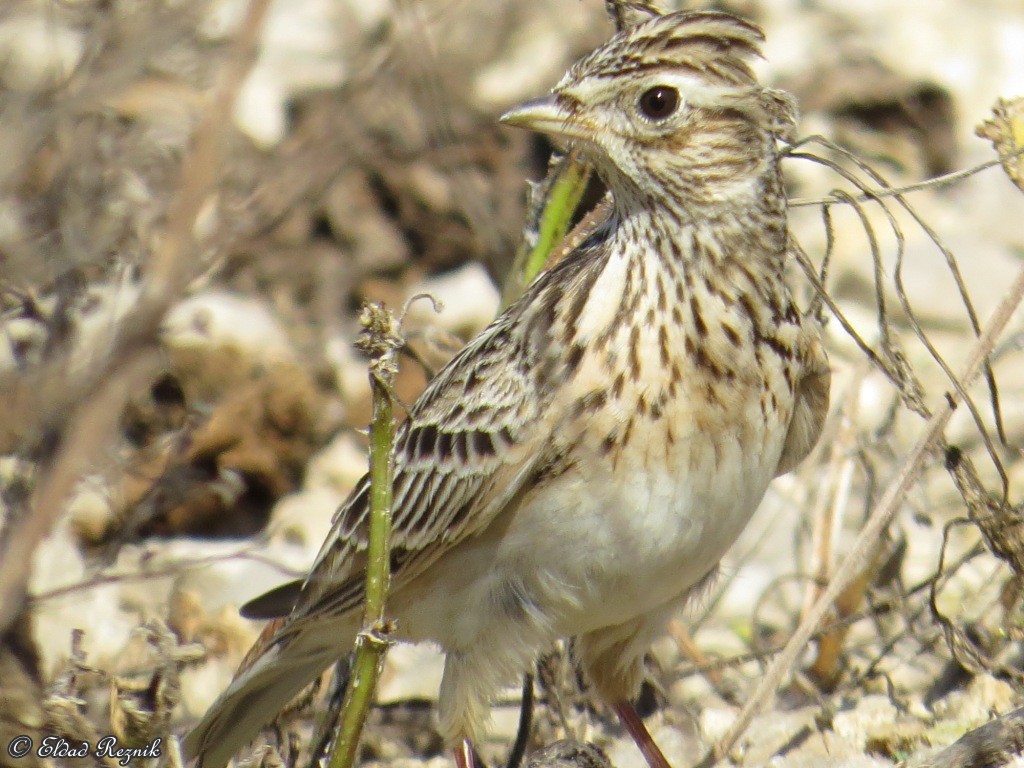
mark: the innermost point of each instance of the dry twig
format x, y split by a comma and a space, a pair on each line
866, 541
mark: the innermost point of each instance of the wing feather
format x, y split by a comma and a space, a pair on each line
472, 444
443, 489
812, 397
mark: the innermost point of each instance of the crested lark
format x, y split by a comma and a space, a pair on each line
586, 460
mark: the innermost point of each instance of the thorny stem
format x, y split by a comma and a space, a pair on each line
381, 340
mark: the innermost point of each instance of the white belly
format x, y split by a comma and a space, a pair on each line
607, 542
626, 543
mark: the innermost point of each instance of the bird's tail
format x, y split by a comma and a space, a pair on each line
270, 677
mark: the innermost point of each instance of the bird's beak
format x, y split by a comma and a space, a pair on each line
547, 116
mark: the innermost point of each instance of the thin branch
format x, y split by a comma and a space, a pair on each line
173, 569
998, 742
934, 183
883, 189
382, 342
91, 426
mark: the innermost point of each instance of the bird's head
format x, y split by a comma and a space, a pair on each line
669, 107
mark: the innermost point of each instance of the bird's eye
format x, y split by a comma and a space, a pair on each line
659, 102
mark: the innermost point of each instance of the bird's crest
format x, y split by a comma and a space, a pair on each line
715, 46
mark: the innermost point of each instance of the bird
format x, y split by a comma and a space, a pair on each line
580, 467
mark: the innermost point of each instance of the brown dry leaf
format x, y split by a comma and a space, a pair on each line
223, 478
262, 433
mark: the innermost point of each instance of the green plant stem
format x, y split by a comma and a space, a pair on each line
553, 203
373, 641
563, 199
382, 430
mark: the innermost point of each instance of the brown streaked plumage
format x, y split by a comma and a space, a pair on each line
583, 464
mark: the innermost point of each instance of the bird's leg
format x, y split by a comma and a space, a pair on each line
464, 755
630, 719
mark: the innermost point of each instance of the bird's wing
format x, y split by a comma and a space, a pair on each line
468, 449
812, 395
471, 447
459, 459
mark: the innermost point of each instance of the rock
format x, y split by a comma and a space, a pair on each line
304, 518
217, 339
302, 48
678, 748
99, 611
38, 51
